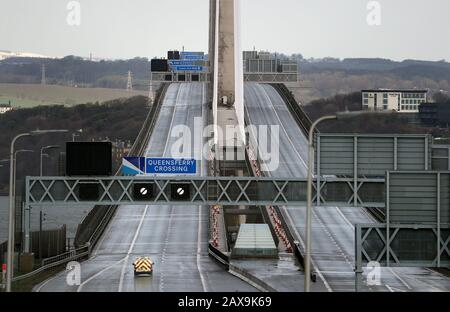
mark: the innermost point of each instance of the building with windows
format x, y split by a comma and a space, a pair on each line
403, 101
5, 108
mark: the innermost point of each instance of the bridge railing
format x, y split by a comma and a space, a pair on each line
52, 262
299, 114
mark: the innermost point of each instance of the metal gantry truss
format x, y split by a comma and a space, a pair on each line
224, 191
402, 245
44, 192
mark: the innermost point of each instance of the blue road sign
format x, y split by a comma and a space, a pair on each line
193, 56
171, 166
188, 68
133, 165
181, 63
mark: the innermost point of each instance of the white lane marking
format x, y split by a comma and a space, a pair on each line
327, 286
39, 288
169, 133
130, 250
400, 279
284, 130
390, 288
345, 218
80, 288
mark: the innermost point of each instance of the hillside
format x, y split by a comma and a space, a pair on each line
368, 123
72, 70
114, 120
29, 95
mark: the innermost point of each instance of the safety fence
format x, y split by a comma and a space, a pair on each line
48, 243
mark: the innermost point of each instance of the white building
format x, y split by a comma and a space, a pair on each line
5, 108
403, 101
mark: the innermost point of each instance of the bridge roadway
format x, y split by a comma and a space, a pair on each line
333, 227
175, 237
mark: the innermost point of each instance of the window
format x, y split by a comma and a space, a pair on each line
385, 96
385, 107
385, 101
366, 102
365, 95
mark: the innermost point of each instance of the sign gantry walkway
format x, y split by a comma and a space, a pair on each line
225, 191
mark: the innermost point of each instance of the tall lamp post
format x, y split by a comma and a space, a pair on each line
45, 148
12, 212
341, 115
15, 166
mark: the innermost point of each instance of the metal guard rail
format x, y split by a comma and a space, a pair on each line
299, 114
56, 261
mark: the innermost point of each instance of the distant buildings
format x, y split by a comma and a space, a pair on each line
435, 114
5, 108
265, 62
403, 101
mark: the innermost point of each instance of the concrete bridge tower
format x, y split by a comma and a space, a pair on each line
227, 85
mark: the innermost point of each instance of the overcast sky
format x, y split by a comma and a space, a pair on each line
410, 29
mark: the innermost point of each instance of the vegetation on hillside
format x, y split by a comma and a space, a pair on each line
113, 120
366, 123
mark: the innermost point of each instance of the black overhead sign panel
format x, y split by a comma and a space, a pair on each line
89, 159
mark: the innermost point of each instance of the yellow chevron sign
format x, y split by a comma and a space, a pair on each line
143, 265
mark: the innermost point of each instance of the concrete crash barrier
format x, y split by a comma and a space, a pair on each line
250, 279
218, 256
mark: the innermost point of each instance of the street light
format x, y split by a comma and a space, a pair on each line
341, 115
76, 135
42, 153
12, 211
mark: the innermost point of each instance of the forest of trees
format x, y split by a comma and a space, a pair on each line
119, 119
